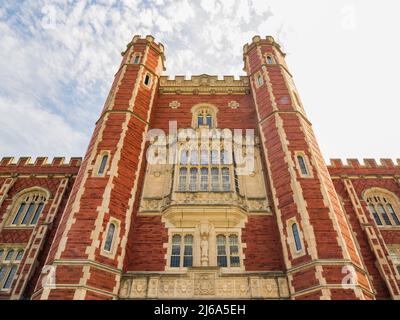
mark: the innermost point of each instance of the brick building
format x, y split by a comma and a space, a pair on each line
200, 188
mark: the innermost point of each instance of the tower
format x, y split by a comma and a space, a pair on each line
318, 246
86, 257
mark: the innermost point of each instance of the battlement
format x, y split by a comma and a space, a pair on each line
145, 40
257, 40
366, 167
204, 84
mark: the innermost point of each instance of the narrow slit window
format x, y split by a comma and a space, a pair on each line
110, 237
19, 256
147, 80
28, 214
9, 255
37, 213
296, 237
10, 277
260, 80
103, 165
303, 166
19, 213
384, 215
136, 59
270, 60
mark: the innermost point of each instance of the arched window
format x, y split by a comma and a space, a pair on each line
182, 179
270, 60
19, 256
204, 116
176, 251
103, 165
383, 206
28, 208
296, 237
193, 179
259, 79
188, 251
184, 157
110, 237
194, 157
302, 165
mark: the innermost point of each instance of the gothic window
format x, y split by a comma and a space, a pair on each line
110, 237
204, 157
296, 237
182, 179
28, 208
228, 251
181, 251
226, 179
204, 179
215, 179
204, 116
184, 157
193, 179
383, 206
9, 263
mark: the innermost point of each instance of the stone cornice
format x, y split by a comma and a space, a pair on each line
204, 84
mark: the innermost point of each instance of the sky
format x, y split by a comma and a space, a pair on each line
58, 59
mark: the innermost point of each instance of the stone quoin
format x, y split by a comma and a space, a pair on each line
115, 225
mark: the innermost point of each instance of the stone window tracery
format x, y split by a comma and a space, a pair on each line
383, 206
27, 209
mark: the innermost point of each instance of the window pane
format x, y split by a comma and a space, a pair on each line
375, 214
296, 237
200, 120
19, 256
103, 164
384, 215
28, 214
2, 273
194, 158
269, 60
10, 278
214, 157
110, 237
209, 121
9, 255
176, 251
19, 213
234, 251
188, 251
204, 179
235, 261
182, 179
37, 213
393, 214
226, 179
1, 252
204, 157
302, 164
215, 179
193, 179
184, 157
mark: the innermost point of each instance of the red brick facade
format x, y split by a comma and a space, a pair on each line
328, 204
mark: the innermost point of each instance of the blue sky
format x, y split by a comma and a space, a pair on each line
58, 59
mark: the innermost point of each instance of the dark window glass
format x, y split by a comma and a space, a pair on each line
188, 252
384, 215
209, 121
19, 213
10, 278
221, 251
19, 256
37, 213
296, 237
176, 251
28, 214
303, 167
200, 120
147, 80
393, 214
103, 165
269, 60
9, 255
110, 237
234, 251
375, 215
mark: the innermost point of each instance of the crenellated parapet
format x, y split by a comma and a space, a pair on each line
257, 40
366, 167
204, 84
40, 165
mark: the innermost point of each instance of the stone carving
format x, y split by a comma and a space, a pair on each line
233, 105
204, 234
204, 282
175, 105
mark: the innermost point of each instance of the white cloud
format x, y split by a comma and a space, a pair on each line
58, 59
